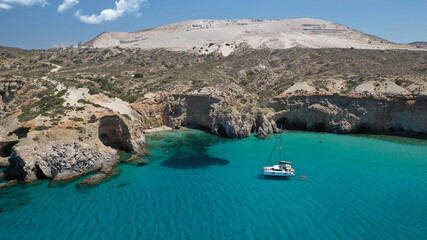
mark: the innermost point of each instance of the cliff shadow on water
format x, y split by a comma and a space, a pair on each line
186, 151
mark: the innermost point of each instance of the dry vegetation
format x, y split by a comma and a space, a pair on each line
247, 74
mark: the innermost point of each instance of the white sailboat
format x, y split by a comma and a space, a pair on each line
283, 169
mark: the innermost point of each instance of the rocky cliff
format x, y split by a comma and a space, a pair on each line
58, 160
61, 152
393, 114
65, 112
352, 114
8, 88
207, 112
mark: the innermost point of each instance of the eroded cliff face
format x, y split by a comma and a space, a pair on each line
115, 133
61, 154
58, 160
351, 114
8, 88
393, 114
209, 113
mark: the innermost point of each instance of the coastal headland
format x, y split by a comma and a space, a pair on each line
65, 112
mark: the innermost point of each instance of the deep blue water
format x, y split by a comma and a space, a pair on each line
199, 186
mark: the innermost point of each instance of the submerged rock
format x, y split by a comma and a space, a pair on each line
94, 179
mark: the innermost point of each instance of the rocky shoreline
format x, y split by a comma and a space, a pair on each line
64, 154
393, 115
61, 156
66, 114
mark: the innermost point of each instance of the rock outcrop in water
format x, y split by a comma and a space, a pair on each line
63, 154
58, 160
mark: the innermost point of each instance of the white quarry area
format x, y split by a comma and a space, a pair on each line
206, 36
113, 104
385, 87
300, 88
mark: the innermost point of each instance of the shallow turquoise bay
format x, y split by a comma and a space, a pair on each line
199, 186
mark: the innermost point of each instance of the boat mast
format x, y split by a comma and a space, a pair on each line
280, 145
271, 154
275, 144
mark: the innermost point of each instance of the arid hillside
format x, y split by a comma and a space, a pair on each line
222, 36
255, 75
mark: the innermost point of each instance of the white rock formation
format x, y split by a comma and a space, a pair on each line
206, 36
385, 87
300, 87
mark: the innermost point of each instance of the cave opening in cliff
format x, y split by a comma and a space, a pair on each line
284, 123
6, 148
318, 127
221, 131
198, 127
39, 173
362, 129
21, 132
113, 132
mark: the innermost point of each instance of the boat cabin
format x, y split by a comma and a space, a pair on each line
285, 165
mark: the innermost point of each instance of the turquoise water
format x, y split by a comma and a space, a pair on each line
199, 186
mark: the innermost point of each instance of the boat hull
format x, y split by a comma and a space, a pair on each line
278, 174
274, 171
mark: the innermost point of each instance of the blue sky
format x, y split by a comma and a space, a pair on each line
42, 23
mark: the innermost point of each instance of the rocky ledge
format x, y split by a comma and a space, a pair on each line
62, 153
58, 160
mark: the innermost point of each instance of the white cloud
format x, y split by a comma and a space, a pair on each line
67, 4
26, 2
5, 6
122, 7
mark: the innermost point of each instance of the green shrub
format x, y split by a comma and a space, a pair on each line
92, 118
49, 102
61, 93
80, 129
56, 61
77, 119
93, 90
126, 116
41, 128
83, 101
